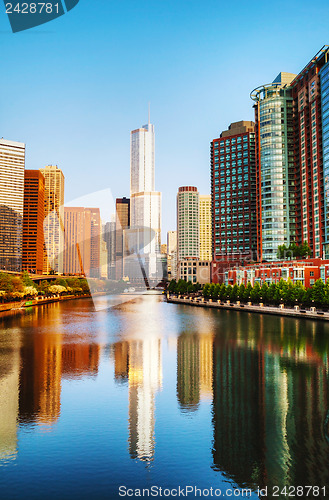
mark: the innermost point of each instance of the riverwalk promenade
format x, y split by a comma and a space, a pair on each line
280, 310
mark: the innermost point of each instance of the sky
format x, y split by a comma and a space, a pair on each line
74, 88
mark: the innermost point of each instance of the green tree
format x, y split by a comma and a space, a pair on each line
222, 291
234, 292
304, 250
255, 292
172, 286
241, 291
228, 292
263, 292
6, 282
271, 293
206, 291
247, 292
318, 292
60, 282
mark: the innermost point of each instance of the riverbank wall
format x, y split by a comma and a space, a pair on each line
39, 301
281, 310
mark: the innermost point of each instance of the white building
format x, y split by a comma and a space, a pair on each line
145, 202
12, 164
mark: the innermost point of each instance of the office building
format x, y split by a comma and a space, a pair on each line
54, 219
233, 192
34, 213
145, 201
109, 237
205, 227
172, 254
82, 228
12, 163
188, 240
122, 223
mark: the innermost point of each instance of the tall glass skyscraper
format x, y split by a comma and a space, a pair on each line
145, 202
275, 164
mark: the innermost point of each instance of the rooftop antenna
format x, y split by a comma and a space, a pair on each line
149, 113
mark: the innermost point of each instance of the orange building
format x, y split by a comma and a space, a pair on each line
82, 233
33, 217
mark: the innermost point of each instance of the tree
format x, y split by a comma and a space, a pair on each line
206, 291
234, 292
247, 292
172, 286
228, 292
318, 292
304, 250
271, 293
263, 292
255, 292
241, 291
222, 291
6, 282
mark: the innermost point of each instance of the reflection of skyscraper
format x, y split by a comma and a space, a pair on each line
34, 214
40, 379
12, 161
144, 381
188, 371
121, 364
206, 365
80, 360
9, 387
145, 201
54, 219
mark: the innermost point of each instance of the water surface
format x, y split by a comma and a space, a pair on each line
154, 394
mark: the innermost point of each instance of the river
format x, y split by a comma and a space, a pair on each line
144, 394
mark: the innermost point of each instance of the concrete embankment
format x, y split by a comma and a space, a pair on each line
39, 301
295, 312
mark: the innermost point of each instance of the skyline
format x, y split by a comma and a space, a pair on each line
87, 92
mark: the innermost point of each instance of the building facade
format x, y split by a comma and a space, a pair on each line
82, 229
205, 227
122, 223
233, 193
12, 164
275, 168
34, 213
188, 238
54, 219
145, 201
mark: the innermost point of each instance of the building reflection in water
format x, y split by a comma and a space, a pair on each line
46, 359
138, 362
270, 402
194, 369
9, 388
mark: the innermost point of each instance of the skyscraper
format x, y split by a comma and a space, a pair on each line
233, 186
34, 212
275, 165
172, 254
188, 236
122, 223
12, 163
54, 219
82, 228
205, 227
145, 201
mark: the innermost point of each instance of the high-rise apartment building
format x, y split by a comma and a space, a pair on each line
145, 201
122, 223
12, 163
54, 219
109, 236
172, 254
82, 229
292, 159
205, 226
275, 168
188, 240
310, 94
233, 187
34, 212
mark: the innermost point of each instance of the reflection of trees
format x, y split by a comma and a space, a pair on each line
270, 401
11, 232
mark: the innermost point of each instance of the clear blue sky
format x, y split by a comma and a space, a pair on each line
73, 89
